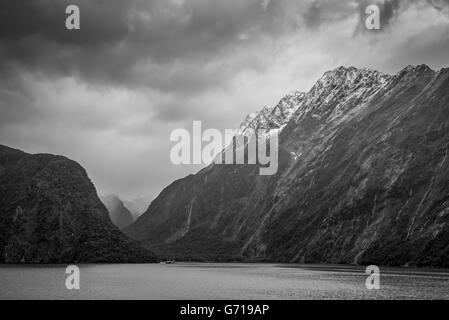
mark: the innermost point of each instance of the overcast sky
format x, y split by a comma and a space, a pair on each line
109, 94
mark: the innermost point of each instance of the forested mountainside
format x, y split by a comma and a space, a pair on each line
363, 178
50, 213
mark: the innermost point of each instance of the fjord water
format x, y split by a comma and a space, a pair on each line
220, 281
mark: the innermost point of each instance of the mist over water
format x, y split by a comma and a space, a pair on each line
220, 281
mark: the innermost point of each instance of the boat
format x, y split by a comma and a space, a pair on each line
170, 261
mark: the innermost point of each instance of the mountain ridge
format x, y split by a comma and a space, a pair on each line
345, 189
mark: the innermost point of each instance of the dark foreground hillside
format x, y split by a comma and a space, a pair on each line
50, 213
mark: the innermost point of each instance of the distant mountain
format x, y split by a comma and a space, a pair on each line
50, 213
136, 206
119, 214
363, 178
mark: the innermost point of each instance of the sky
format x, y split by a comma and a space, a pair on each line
109, 94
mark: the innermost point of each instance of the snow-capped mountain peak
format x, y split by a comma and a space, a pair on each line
340, 84
273, 117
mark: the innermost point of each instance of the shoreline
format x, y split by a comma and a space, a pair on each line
311, 266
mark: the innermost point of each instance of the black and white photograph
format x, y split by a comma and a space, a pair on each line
236, 151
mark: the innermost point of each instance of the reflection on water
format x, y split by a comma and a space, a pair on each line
220, 281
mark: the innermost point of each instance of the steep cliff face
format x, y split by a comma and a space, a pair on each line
363, 178
119, 214
50, 213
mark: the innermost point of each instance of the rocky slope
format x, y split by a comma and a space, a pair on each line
120, 216
273, 117
50, 213
363, 178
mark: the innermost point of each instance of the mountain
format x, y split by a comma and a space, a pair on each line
136, 206
363, 178
50, 213
119, 214
275, 117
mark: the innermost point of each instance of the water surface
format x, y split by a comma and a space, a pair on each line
220, 281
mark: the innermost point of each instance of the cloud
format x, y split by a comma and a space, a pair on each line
325, 12
166, 45
128, 42
320, 12
439, 4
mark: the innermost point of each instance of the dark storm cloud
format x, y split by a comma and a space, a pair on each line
321, 12
172, 45
325, 12
128, 42
314, 16
439, 4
